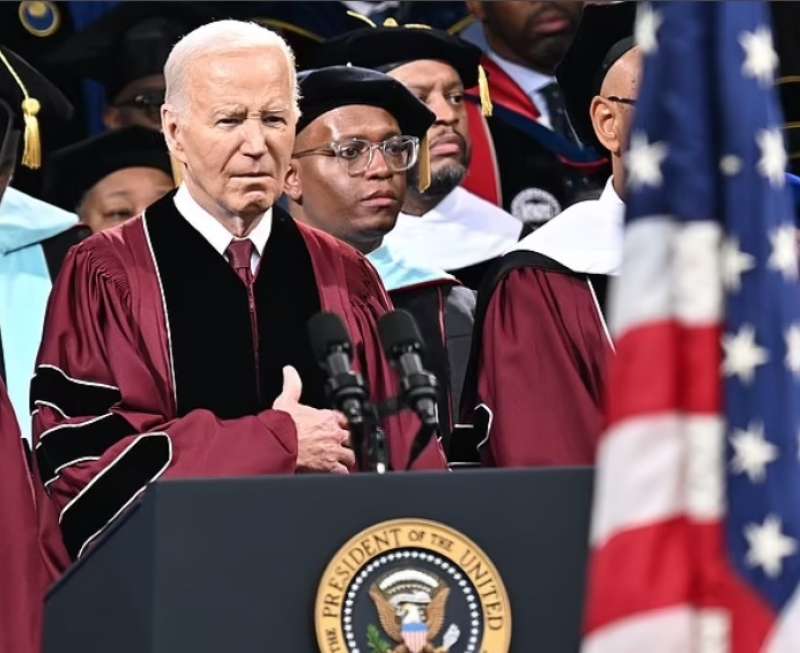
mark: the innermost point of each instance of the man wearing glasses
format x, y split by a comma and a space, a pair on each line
444, 224
358, 137
538, 368
125, 51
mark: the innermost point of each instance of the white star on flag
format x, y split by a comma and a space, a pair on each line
734, 263
646, 28
752, 452
644, 162
792, 360
760, 58
768, 545
784, 251
730, 165
772, 163
742, 354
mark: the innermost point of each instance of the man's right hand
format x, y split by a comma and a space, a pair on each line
322, 436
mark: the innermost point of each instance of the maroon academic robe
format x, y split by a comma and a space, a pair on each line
23, 578
538, 368
150, 365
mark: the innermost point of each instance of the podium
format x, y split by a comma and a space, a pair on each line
234, 565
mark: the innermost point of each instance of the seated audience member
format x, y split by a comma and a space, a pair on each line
177, 341
34, 236
541, 347
358, 135
444, 225
125, 51
110, 178
534, 165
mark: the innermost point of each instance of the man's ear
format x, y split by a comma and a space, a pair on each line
171, 128
605, 124
293, 185
476, 9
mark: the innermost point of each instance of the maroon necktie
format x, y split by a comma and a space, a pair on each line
239, 253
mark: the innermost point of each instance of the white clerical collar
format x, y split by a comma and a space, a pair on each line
462, 230
212, 230
586, 237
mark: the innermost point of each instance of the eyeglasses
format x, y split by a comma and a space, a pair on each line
150, 102
622, 100
399, 152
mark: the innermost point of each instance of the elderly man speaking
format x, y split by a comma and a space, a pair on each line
173, 342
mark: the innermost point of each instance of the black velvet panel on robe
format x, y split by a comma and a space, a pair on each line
472, 275
209, 319
426, 305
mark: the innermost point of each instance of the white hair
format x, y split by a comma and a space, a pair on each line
221, 37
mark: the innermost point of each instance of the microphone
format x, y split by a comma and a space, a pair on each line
344, 387
402, 343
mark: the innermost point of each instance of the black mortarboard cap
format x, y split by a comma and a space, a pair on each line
130, 42
390, 45
604, 35
73, 170
26, 97
325, 89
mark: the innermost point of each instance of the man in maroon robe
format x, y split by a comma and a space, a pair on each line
173, 342
357, 138
537, 371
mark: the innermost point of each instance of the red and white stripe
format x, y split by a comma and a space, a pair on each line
659, 578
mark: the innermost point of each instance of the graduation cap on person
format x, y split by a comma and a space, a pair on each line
26, 96
391, 45
325, 89
74, 170
604, 35
130, 42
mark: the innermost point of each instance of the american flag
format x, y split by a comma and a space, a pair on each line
696, 525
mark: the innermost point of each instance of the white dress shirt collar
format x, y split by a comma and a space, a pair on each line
213, 231
530, 81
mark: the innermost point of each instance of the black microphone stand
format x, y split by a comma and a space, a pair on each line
367, 437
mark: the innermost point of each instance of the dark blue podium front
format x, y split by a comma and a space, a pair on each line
233, 565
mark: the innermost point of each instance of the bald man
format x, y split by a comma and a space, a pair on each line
537, 372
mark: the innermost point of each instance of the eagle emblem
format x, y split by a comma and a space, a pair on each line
411, 606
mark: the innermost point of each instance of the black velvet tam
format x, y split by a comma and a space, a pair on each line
325, 89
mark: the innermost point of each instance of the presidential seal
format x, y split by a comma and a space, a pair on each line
412, 586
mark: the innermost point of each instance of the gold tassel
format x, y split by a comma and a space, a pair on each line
32, 149
32, 139
362, 17
424, 165
483, 89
